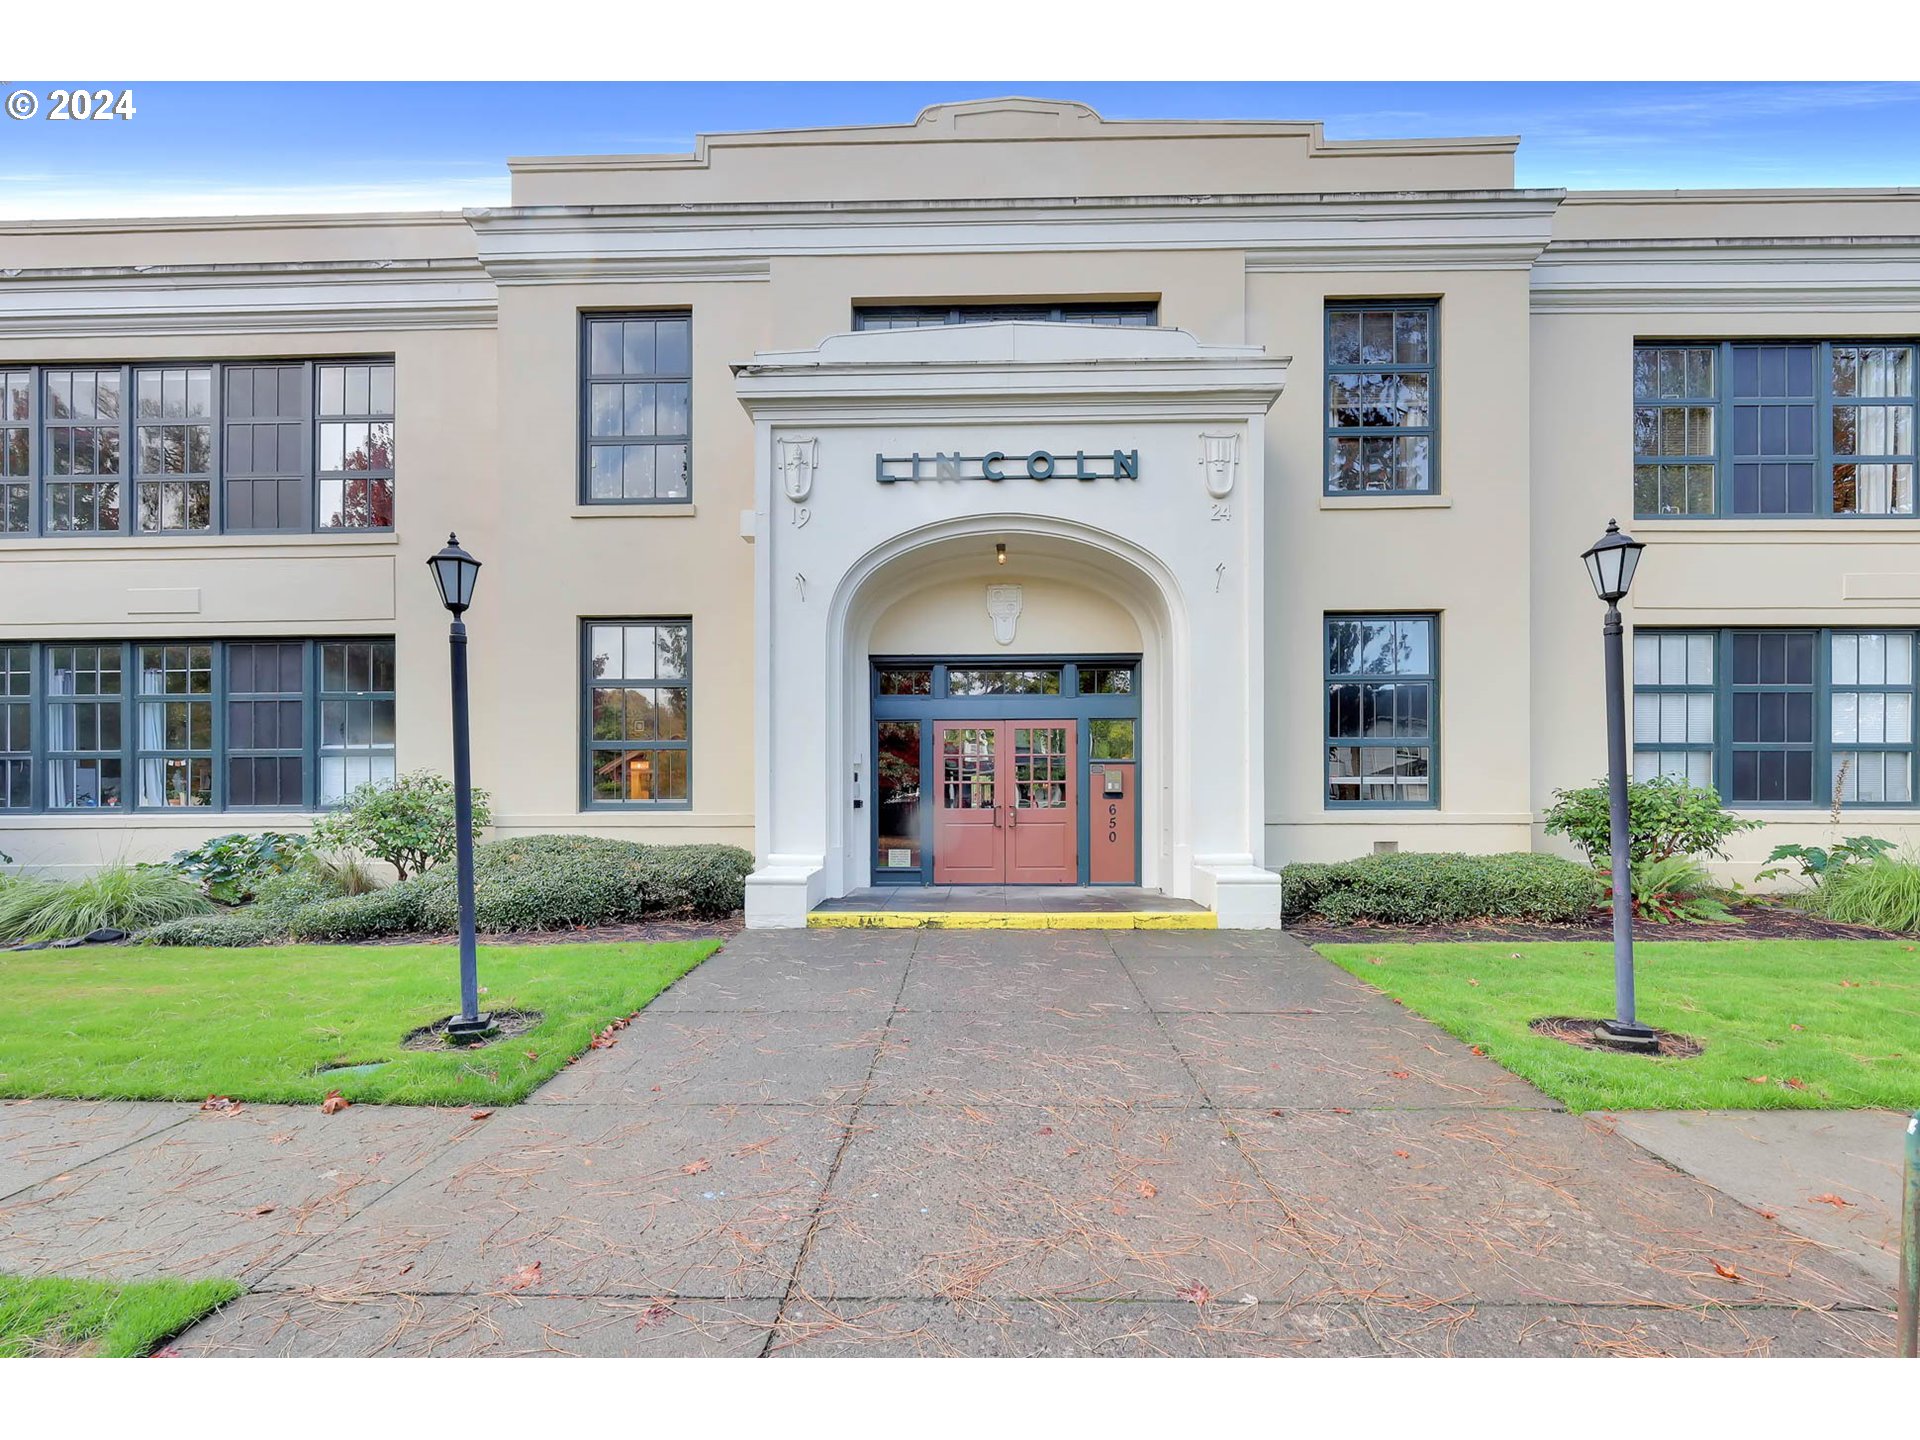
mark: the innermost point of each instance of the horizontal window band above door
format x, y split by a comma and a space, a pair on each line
1091, 312
261, 724
200, 447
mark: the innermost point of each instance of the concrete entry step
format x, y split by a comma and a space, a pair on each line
1010, 907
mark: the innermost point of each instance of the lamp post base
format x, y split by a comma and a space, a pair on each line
1617, 1035
462, 1031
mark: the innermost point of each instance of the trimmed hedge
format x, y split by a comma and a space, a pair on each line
1420, 889
540, 882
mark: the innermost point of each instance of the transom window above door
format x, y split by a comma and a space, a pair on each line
1091, 312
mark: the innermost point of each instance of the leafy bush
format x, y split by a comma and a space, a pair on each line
407, 823
1421, 889
395, 910
1675, 887
1883, 892
124, 897
1816, 862
230, 868
252, 926
1665, 816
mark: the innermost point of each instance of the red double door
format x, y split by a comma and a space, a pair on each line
1006, 804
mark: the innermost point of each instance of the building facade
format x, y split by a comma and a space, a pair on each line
1012, 496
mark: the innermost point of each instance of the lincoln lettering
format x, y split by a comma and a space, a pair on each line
996, 465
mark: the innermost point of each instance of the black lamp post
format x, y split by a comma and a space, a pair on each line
455, 572
1611, 561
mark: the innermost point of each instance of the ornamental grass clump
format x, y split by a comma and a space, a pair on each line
118, 897
1883, 892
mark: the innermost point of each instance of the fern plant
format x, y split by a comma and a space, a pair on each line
1677, 888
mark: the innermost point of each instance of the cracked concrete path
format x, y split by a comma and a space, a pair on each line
950, 1142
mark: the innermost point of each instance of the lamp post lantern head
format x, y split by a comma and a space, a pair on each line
455, 572
1611, 561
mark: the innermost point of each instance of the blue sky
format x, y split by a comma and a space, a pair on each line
211, 148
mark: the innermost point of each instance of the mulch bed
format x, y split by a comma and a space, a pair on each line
1761, 922
506, 1025
646, 930
1578, 1031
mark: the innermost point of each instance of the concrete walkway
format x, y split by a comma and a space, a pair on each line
934, 1142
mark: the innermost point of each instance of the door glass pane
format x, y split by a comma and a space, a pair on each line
967, 768
896, 788
1041, 755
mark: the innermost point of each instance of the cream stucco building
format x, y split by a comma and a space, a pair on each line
1012, 496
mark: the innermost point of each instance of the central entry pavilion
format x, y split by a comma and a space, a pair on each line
995, 564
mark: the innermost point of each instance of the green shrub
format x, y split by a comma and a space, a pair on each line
251, 926
408, 822
231, 868
1665, 816
317, 876
702, 880
123, 897
1676, 887
1883, 892
396, 910
1421, 889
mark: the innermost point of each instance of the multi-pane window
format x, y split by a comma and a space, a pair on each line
157, 725
86, 712
1673, 706
1382, 405
174, 726
1774, 429
173, 448
637, 408
355, 464
921, 317
186, 449
16, 727
1381, 678
637, 704
1033, 680
356, 716
266, 745
1778, 717
16, 452
82, 440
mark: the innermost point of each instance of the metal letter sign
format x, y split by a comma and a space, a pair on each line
997, 465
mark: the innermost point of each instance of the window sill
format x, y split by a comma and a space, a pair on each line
1787, 527
147, 544
1386, 502
642, 510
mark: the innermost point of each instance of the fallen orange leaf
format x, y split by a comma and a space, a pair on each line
334, 1103
526, 1275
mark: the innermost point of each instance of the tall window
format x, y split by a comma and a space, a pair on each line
636, 408
152, 725
186, 449
1382, 400
356, 716
636, 706
16, 727
921, 317
1778, 717
1774, 430
1381, 683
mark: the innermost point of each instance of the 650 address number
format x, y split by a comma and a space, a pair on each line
73, 105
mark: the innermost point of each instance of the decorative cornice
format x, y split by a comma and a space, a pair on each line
1401, 230
1770, 274
292, 297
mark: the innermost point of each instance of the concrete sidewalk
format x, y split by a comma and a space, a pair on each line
928, 1142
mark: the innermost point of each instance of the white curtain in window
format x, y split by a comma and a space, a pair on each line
153, 734
60, 736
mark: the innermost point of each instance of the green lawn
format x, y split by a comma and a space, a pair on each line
100, 1317
153, 1023
1788, 1024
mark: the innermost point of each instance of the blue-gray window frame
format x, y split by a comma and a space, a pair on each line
1069, 704
1329, 678
39, 473
1332, 432
1824, 746
1089, 312
589, 746
129, 751
1723, 403
583, 431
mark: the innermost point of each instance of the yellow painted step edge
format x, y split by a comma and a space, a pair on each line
1012, 920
